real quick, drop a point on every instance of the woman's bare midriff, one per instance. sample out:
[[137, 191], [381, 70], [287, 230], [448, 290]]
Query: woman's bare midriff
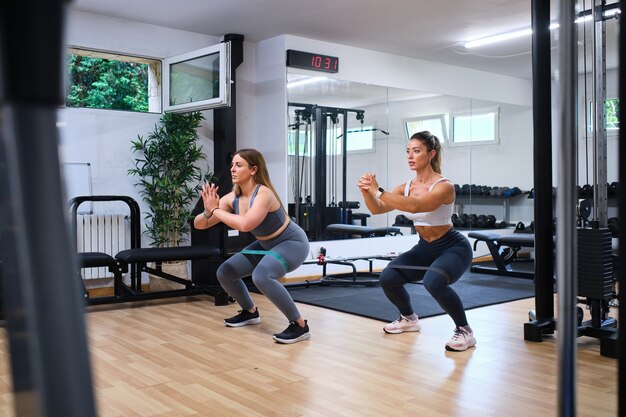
[[430, 233]]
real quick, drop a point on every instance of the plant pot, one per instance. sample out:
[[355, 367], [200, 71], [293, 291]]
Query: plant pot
[[176, 268]]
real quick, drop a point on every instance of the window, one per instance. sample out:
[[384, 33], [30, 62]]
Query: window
[[102, 80], [475, 127], [359, 140], [435, 124], [611, 108], [198, 80]]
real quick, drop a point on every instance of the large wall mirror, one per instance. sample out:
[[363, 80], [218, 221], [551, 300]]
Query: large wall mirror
[[486, 144]]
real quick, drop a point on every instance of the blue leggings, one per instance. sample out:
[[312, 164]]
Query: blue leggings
[[447, 258], [287, 252]]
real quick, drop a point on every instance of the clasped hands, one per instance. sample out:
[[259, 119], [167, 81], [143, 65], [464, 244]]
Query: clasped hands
[[210, 198], [368, 183]]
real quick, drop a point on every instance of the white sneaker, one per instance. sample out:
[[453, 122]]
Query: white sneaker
[[402, 325], [461, 340]]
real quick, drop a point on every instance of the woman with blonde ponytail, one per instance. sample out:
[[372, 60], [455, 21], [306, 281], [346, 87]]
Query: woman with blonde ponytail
[[442, 254]]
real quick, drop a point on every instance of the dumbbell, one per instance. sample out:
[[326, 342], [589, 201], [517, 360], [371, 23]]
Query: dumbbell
[[481, 221], [613, 224], [491, 221]]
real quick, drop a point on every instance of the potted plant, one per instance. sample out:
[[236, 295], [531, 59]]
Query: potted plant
[[170, 178]]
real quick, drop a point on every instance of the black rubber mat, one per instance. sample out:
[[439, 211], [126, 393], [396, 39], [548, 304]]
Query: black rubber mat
[[475, 290]]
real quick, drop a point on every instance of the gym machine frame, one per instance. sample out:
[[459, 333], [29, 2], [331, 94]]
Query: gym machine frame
[[320, 115]]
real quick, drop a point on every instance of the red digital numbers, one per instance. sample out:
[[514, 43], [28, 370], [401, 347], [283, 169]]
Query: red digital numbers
[[323, 62], [307, 60]]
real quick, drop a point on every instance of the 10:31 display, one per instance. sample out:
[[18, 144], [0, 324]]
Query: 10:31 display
[[311, 61]]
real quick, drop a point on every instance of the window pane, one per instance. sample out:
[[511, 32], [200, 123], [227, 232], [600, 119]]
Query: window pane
[[434, 125], [611, 107], [107, 84], [474, 128], [97, 80], [361, 140], [195, 80], [612, 113]]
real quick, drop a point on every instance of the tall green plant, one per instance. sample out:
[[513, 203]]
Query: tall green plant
[[169, 176]]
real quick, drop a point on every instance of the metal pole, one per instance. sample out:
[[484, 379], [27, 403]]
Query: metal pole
[[565, 204], [46, 329], [542, 168], [599, 124], [621, 268], [344, 167]]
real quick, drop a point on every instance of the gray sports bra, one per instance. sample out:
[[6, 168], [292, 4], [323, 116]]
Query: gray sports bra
[[270, 224]]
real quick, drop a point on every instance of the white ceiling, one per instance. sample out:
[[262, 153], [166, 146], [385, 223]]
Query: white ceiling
[[426, 29]]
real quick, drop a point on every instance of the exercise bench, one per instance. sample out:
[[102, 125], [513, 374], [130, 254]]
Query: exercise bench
[[137, 259], [503, 250], [362, 231]]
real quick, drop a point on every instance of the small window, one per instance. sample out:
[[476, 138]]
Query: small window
[[359, 140], [611, 108], [198, 80], [476, 127], [100, 80], [435, 124]]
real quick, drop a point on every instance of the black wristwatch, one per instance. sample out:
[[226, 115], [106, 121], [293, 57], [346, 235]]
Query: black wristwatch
[[381, 190]]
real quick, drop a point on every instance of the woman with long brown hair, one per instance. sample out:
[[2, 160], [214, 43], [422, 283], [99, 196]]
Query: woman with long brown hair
[[253, 206]]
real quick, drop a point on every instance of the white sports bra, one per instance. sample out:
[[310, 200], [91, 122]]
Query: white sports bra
[[441, 216]]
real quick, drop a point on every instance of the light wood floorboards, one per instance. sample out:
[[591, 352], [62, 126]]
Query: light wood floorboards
[[176, 358]]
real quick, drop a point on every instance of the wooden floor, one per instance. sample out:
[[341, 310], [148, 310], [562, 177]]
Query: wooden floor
[[176, 358]]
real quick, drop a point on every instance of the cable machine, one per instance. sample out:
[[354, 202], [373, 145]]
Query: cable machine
[[316, 165], [584, 253]]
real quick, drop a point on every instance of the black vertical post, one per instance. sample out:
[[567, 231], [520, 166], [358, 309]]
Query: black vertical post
[[320, 172], [224, 146], [225, 120], [542, 174], [621, 195], [344, 169], [44, 310]]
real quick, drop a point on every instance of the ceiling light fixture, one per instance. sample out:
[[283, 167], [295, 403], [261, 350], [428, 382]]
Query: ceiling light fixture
[[306, 81], [528, 31]]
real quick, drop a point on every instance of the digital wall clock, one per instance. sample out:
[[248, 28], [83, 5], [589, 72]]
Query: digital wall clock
[[311, 61]]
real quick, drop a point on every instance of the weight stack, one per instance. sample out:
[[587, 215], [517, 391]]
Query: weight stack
[[595, 264]]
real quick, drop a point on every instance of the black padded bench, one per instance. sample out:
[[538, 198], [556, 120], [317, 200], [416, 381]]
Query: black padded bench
[[503, 249], [143, 256], [99, 260], [362, 231], [136, 259]]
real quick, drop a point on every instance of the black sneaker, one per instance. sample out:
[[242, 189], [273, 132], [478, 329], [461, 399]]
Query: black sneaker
[[294, 333], [243, 319]]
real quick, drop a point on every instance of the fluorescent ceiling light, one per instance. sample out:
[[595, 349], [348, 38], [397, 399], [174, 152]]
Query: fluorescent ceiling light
[[498, 38], [527, 32], [305, 81]]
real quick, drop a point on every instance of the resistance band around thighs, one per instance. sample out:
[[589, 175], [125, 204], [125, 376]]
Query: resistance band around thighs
[[443, 272], [276, 255]]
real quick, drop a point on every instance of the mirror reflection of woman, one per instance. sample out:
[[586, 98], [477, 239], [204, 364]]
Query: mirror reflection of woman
[[281, 246], [444, 254]]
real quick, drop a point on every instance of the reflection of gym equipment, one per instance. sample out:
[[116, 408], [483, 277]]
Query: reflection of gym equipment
[[315, 169]]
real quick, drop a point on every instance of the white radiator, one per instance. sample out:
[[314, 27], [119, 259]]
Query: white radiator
[[106, 233]]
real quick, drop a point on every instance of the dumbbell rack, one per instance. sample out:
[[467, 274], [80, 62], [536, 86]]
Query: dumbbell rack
[[488, 200]]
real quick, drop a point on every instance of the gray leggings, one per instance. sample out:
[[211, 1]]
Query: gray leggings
[[288, 251]]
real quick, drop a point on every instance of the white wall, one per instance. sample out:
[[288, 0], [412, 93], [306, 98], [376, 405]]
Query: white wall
[[102, 137]]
